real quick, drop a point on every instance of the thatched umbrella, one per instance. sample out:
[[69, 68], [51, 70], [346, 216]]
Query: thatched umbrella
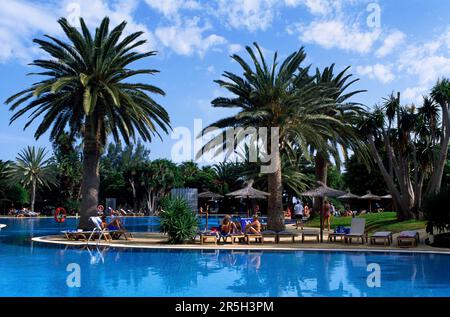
[[212, 196], [323, 191], [370, 197], [349, 196], [248, 192]]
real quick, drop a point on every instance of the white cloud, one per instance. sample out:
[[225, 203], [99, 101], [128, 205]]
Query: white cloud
[[235, 48], [391, 41], [425, 63], [170, 8], [188, 39], [414, 94], [252, 15], [320, 7], [337, 34], [93, 11], [19, 22], [381, 72]]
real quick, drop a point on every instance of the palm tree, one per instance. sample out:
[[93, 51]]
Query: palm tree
[[348, 113], [276, 96], [32, 169], [441, 94], [87, 89]]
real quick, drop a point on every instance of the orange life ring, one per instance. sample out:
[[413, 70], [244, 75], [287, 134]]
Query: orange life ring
[[60, 214]]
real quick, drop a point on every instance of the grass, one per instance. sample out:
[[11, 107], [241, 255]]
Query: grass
[[385, 221]]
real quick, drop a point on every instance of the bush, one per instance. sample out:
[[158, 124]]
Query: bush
[[178, 221], [436, 209]]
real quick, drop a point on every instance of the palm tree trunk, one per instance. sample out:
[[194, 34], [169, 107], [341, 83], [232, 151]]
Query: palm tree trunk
[[321, 171], [436, 178], [275, 219], [33, 194], [91, 176]]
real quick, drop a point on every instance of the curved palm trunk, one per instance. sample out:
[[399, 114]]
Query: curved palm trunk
[[91, 177], [275, 219]]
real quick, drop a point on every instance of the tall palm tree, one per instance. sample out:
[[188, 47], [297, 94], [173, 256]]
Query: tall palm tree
[[274, 96], [343, 110], [441, 94], [87, 89], [32, 169]]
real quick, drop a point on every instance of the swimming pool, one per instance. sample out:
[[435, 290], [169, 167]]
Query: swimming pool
[[34, 269]]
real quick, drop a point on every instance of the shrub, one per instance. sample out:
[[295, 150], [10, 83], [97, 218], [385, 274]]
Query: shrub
[[436, 209], [178, 220]]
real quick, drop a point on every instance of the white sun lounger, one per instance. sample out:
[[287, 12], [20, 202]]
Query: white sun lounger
[[357, 230]]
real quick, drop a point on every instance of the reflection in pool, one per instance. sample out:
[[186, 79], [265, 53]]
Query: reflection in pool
[[32, 269]]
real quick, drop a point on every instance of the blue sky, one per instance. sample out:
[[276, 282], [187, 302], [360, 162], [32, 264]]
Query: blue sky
[[407, 51]]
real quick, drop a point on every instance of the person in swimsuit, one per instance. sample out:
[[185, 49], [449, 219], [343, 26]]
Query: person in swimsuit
[[254, 227], [326, 214], [115, 224], [227, 226]]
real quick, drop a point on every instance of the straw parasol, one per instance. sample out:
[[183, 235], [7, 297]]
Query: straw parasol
[[248, 192], [349, 196], [211, 196], [370, 197], [320, 192]]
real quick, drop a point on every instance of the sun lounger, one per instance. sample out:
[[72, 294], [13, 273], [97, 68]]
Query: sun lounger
[[257, 236], [357, 231], [208, 236], [286, 234], [74, 235], [106, 233], [384, 236], [310, 233], [270, 234], [408, 238]]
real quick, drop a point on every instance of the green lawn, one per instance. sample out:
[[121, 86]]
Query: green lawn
[[385, 221]]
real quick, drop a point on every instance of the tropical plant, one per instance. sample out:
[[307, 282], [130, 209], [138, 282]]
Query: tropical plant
[[436, 211], [276, 97], [88, 89], [346, 139], [414, 144], [32, 169], [178, 220], [157, 178]]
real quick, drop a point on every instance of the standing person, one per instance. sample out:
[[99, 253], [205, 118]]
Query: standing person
[[327, 214], [298, 214], [256, 211]]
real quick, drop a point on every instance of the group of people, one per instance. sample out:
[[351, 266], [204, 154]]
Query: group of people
[[24, 212], [227, 226]]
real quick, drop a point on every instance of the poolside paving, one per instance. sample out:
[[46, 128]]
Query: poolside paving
[[159, 241]]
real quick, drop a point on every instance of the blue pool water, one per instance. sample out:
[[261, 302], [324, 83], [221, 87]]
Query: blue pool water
[[33, 269]]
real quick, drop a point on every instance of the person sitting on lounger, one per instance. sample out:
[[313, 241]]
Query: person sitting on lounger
[[115, 224], [227, 226], [254, 227]]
